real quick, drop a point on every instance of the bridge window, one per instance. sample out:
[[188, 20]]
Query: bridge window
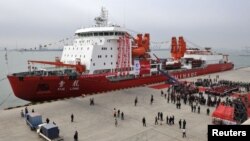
[[111, 33], [106, 33], [100, 33], [90, 34], [95, 33]]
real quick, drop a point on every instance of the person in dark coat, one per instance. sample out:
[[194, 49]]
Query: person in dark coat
[[180, 123], [184, 124], [156, 120], [208, 111], [26, 110], [76, 136], [122, 116], [152, 99], [47, 120], [136, 100], [118, 113], [199, 109], [144, 121], [72, 118]]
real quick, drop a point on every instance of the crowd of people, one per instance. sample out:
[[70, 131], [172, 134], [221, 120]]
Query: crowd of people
[[184, 93]]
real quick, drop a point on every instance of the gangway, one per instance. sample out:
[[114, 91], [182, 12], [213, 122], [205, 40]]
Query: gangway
[[171, 79]]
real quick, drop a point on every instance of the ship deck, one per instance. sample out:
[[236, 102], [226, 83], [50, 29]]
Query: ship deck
[[97, 122]]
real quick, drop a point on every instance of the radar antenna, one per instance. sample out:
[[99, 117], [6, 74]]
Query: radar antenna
[[102, 20]]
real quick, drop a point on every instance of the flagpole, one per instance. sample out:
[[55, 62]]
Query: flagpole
[[6, 60]]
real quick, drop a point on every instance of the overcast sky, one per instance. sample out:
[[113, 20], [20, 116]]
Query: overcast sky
[[215, 23]]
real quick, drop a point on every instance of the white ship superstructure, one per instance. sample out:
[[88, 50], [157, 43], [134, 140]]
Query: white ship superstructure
[[96, 47]]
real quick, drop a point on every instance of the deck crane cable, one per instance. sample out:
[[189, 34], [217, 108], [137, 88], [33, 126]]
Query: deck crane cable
[[192, 43], [162, 42], [62, 41], [133, 31], [5, 99]]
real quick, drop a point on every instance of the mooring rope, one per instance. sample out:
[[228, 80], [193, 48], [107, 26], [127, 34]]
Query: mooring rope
[[5, 99], [2, 79]]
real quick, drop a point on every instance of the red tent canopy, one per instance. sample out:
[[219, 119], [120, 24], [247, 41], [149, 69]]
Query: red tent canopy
[[224, 112]]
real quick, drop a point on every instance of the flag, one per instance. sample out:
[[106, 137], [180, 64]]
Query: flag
[[6, 57]]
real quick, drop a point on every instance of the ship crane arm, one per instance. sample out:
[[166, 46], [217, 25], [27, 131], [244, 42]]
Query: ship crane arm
[[158, 59], [80, 68]]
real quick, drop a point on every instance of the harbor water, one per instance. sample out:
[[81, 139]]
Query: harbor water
[[16, 61]]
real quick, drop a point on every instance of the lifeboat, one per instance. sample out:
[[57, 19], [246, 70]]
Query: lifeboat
[[142, 45]]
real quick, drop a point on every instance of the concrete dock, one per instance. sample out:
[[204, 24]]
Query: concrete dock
[[96, 123]]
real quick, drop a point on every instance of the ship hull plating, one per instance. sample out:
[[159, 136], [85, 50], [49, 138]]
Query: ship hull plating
[[42, 88]]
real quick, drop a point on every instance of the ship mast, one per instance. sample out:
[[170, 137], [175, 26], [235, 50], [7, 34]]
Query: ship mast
[[102, 20]]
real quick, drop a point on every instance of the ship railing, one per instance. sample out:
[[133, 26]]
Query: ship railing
[[98, 75]]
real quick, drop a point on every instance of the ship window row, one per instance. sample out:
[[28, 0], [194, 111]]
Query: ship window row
[[76, 48], [68, 55], [88, 34], [106, 56], [87, 41], [105, 48], [111, 63]]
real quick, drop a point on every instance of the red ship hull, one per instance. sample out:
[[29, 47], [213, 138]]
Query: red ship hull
[[42, 88]]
